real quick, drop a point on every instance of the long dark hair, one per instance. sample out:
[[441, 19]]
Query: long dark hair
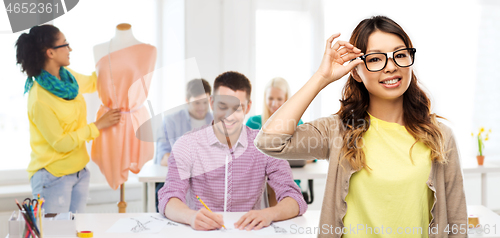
[[417, 116], [32, 47]]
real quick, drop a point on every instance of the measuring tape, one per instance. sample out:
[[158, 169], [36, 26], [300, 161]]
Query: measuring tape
[[85, 234]]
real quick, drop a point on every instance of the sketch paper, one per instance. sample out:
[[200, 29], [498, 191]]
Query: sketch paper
[[276, 228], [144, 224], [154, 223]]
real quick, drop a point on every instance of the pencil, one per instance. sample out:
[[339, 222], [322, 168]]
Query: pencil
[[31, 219], [25, 219], [207, 208], [29, 215], [40, 215]]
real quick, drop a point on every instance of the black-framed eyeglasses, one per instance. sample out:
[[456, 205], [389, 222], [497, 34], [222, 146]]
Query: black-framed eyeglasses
[[377, 61], [60, 46]]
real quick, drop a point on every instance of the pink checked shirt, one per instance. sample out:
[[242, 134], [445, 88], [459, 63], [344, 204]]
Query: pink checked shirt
[[197, 167]]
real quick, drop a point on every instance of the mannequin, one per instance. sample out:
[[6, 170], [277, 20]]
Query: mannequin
[[123, 38], [124, 66]]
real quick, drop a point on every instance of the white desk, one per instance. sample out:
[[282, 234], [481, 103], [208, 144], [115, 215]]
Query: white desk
[[483, 170], [487, 218], [152, 174], [99, 223]]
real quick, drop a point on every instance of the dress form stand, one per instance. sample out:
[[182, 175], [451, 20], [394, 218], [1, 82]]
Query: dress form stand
[[122, 205], [123, 38]]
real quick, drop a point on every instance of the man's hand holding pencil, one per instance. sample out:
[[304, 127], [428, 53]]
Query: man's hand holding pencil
[[205, 220]]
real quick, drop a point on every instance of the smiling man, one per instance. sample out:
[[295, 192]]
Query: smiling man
[[226, 177]]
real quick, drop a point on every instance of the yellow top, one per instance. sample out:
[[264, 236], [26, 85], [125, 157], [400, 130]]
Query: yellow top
[[59, 129], [392, 199]]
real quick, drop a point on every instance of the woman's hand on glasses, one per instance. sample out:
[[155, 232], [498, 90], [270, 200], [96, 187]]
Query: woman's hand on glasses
[[332, 66]]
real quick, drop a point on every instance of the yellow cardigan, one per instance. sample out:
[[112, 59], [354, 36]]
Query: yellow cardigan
[[59, 129]]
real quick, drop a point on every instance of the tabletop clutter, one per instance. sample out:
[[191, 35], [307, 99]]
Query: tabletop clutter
[[31, 221]]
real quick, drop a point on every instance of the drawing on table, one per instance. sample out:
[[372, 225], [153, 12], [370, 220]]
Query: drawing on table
[[158, 218], [171, 224], [142, 224], [278, 230], [140, 227]]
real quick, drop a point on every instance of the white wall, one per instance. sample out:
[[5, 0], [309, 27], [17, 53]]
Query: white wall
[[203, 36], [486, 109], [219, 35]]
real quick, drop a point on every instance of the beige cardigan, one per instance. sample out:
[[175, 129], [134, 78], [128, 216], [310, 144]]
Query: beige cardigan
[[322, 139]]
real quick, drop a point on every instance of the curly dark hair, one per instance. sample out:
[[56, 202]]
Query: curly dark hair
[[31, 48]]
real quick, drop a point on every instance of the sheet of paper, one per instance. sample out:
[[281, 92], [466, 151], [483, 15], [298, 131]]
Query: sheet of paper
[[229, 224], [144, 224], [276, 228]]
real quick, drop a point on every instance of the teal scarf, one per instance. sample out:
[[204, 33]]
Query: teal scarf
[[66, 88]]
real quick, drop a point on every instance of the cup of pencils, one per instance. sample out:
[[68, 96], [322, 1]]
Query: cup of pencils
[[32, 212]]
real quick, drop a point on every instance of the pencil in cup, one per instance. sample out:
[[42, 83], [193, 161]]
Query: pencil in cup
[[40, 215], [205, 205], [28, 228], [30, 231], [26, 219], [32, 219]]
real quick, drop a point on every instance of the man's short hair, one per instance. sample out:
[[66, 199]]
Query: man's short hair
[[194, 88], [235, 81]]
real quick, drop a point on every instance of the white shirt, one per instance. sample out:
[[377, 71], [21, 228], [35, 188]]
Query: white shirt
[[195, 123]]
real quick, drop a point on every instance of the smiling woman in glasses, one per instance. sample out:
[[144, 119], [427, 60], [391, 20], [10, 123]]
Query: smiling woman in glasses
[[58, 120], [394, 168]]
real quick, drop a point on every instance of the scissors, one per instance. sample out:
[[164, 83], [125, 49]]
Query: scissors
[[32, 203]]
